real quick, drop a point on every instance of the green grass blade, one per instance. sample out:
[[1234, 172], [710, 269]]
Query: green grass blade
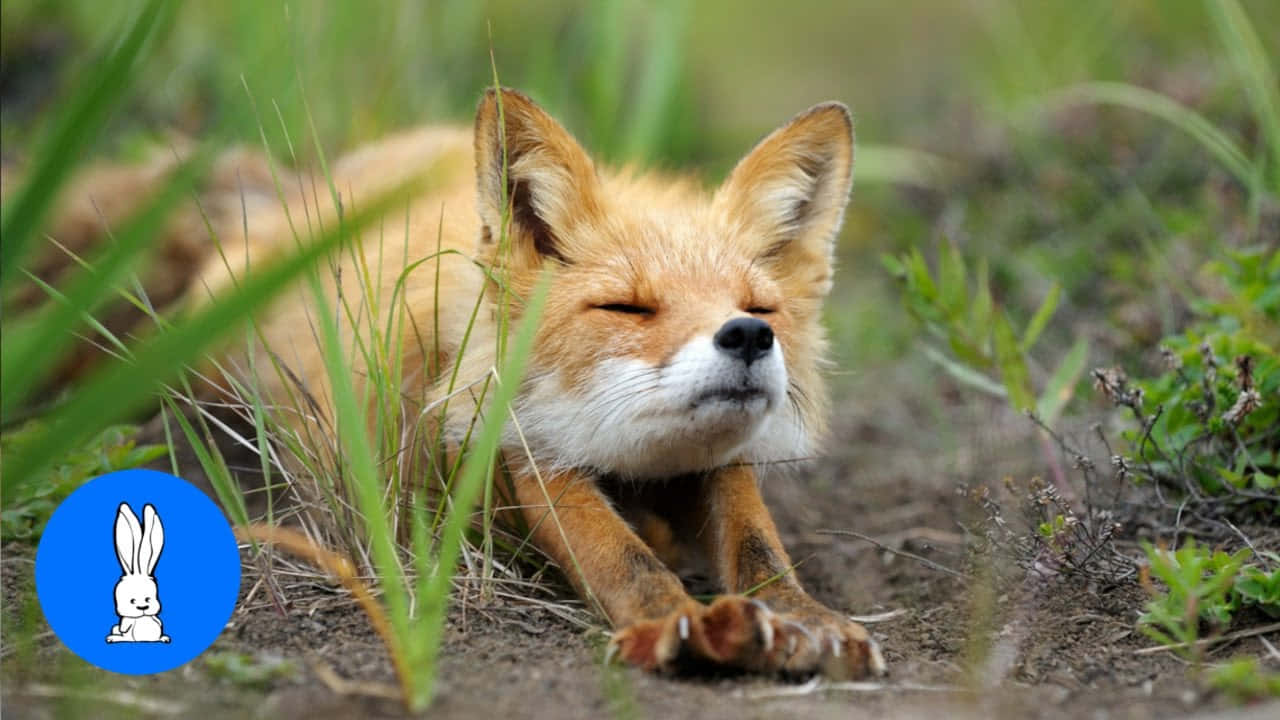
[[99, 91], [982, 306], [364, 476], [952, 281], [1041, 319], [1221, 147], [900, 166], [474, 475], [1256, 72], [659, 83], [1062, 384], [125, 387], [1013, 366], [606, 75], [965, 374], [214, 466]]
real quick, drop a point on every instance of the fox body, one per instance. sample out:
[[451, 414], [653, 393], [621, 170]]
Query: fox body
[[679, 348]]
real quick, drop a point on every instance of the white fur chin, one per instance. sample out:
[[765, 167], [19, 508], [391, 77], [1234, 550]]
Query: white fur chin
[[642, 422]]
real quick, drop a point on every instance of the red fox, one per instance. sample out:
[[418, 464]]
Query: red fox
[[680, 348]]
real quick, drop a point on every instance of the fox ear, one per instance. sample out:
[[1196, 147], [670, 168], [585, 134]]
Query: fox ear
[[549, 182], [791, 191]]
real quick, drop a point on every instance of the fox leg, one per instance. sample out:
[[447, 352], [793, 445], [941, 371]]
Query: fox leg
[[656, 622], [573, 522], [779, 627], [748, 556]]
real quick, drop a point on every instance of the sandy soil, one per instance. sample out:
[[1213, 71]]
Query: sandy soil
[[1056, 649]]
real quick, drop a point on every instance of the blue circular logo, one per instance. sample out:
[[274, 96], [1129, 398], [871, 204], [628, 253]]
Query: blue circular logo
[[137, 572]]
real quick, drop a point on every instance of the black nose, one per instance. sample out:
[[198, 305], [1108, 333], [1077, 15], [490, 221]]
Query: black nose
[[745, 338]]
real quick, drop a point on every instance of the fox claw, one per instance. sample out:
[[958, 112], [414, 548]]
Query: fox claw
[[744, 633]]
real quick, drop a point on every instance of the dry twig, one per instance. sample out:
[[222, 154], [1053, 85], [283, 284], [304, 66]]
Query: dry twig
[[1260, 630], [922, 560]]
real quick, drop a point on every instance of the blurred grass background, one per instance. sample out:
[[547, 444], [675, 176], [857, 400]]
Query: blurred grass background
[[1090, 197], [962, 136]]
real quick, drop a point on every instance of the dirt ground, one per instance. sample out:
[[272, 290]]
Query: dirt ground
[[1053, 650]]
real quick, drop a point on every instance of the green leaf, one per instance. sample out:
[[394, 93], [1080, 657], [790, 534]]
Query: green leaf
[[1013, 367], [965, 374], [951, 281], [1040, 319], [895, 266], [919, 277], [1062, 384], [968, 353], [113, 448], [982, 306]]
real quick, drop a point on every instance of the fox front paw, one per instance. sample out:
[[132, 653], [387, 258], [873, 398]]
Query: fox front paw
[[743, 633], [813, 639]]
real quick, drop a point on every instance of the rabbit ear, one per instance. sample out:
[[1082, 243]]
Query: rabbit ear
[[152, 540], [128, 536]]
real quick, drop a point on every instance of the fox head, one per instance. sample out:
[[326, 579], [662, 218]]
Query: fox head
[[682, 330]]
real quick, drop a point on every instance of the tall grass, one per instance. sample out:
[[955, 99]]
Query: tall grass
[[1255, 74], [35, 341], [365, 474], [98, 93]]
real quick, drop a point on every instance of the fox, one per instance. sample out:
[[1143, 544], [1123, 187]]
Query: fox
[[680, 350]]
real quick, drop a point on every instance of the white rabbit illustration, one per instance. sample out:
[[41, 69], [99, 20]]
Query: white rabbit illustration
[[137, 599]]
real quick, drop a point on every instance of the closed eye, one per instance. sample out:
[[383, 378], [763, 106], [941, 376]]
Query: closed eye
[[625, 308], [760, 310]]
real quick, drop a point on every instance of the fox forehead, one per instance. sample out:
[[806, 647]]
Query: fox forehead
[[663, 261], [661, 238]]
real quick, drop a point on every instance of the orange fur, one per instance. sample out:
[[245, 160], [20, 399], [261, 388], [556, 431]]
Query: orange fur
[[637, 446]]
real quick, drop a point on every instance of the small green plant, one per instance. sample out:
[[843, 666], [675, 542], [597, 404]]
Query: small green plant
[[1032, 526], [1208, 425], [1198, 583], [1243, 680], [115, 448], [983, 348], [246, 670], [1261, 588], [1203, 588]]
